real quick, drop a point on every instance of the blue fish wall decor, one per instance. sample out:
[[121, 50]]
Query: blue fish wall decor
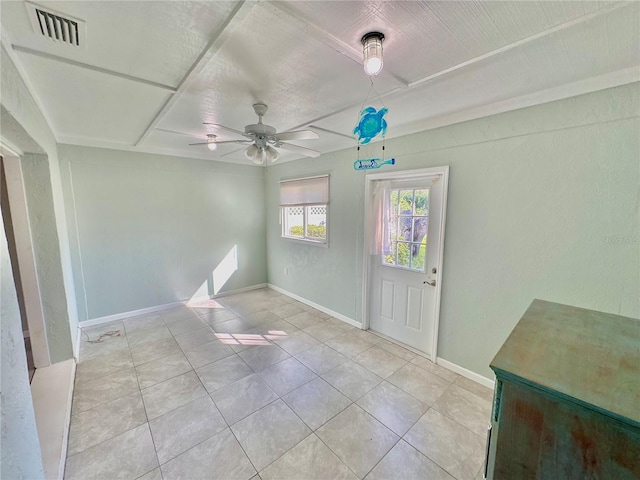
[[371, 124]]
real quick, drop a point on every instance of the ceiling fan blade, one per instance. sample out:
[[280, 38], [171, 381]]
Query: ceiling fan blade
[[240, 142], [298, 135], [295, 148], [228, 129]]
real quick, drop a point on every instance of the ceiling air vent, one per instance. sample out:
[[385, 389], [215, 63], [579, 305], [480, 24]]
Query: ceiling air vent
[[56, 26]]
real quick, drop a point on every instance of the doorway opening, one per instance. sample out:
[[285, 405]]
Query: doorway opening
[[402, 268], [12, 247], [16, 223]]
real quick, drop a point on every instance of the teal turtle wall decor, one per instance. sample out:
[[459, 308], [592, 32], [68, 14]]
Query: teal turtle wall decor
[[371, 124]]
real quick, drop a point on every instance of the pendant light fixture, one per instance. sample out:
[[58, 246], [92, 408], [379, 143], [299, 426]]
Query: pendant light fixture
[[372, 52]]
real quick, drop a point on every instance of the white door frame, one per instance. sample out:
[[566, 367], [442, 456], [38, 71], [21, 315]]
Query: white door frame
[[366, 267], [25, 256]]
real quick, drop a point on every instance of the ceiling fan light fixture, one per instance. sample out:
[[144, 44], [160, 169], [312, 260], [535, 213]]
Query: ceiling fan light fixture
[[253, 153], [372, 52], [211, 142], [272, 154]]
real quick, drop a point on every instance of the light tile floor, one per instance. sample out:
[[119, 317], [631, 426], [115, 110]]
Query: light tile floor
[[260, 384]]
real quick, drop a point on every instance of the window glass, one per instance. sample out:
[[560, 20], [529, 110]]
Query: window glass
[[408, 224], [306, 220]]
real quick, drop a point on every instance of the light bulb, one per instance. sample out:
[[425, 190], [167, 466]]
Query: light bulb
[[373, 66], [372, 52], [272, 154], [211, 142], [251, 152]]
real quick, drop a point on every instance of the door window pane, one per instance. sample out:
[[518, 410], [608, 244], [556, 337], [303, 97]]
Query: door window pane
[[408, 224], [403, 254], [417, 258], [422, 202]]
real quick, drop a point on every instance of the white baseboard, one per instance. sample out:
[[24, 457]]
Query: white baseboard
[[67, 423], [167, 306], [466, 373], [443, 363], [203, 298], [241, 290], [400, 344], [119, 316], [440, 361], [337, 315], [76, 346]]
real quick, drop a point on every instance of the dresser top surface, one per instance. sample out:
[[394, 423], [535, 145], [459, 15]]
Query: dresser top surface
[[587, 355]]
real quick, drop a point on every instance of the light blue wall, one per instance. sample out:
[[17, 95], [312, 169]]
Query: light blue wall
[[327, 276], [150, 229], [543, 203]]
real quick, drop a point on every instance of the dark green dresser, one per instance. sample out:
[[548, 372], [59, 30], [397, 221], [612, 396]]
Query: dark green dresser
[[567, 397]]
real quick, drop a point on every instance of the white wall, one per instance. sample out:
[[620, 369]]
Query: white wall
[[24, 127], [21, 456], [543, 203]]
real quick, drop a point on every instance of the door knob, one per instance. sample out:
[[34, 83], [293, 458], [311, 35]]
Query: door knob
[[431, 283]]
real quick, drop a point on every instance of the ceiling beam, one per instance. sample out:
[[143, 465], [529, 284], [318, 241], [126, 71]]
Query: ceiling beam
[[332, 132], [236, 17], [165, 130], [388, 94], [6, 46], [86, 66]]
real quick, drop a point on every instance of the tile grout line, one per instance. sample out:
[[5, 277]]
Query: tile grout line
[[144, 406], [431, 407], [238, 440], [116, 399], [313, 431], [140, 389]]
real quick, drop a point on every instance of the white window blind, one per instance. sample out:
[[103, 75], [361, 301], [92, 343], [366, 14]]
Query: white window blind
[[305, 191]]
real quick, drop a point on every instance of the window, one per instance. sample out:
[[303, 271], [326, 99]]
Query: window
[[303, 205], [408, 224]]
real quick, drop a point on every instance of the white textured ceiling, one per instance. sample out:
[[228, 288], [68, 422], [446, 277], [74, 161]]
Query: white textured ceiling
[[152, 72]]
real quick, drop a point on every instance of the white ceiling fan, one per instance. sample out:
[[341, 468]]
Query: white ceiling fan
[[262, 139]]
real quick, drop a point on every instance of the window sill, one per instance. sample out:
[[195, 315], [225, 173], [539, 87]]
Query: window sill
[[306, 241]]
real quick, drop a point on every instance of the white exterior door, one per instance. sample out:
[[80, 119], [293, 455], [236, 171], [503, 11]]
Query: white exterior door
[[404, 284]]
